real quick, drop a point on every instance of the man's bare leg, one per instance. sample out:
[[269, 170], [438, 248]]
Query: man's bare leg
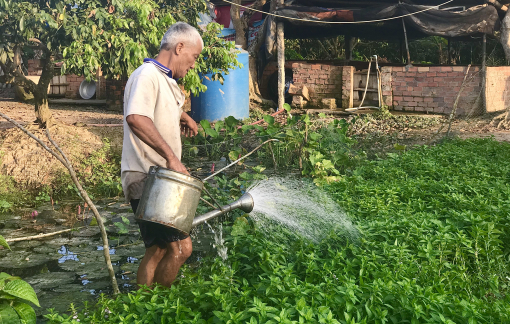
[[150, 261], [176, 254]]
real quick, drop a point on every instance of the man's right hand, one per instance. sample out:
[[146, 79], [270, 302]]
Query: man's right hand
[[176, 165]]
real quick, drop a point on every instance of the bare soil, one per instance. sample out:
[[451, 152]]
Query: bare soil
[[26, 161]]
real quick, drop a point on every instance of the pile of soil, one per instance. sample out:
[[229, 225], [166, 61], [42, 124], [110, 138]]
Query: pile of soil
[[28, 163]]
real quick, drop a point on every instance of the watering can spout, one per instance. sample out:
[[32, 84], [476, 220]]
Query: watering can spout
[[245, 203]]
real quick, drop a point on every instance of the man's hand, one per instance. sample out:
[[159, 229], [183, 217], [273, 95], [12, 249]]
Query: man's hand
[[176, 165], [188, 126]]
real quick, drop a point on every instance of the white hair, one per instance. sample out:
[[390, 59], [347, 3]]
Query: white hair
[[180, 32]]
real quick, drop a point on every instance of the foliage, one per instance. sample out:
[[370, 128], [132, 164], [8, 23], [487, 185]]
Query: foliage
[[429, 50], [322, 150], [433, 249], [113, 36], [14, 295]]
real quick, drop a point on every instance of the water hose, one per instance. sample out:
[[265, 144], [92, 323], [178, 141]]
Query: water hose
[[241, 158], [366, 87]]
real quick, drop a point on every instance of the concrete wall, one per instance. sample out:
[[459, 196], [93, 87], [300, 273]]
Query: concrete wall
[[497, 88]]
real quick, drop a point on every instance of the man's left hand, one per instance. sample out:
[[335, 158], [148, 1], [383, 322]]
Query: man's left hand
[[188, 126]]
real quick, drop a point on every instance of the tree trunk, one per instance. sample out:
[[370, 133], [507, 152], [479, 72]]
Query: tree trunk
[[242, 28], [240, 25], [42, 110], [502, 120]]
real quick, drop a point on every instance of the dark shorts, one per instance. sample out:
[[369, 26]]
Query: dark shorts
[[157, 234]]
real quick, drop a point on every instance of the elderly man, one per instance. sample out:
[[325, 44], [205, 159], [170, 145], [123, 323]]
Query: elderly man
[[153, 124]]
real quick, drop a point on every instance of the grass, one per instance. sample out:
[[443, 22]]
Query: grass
[[434, 248]]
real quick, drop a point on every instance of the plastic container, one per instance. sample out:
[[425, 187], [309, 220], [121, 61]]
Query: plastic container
[[228, 99]]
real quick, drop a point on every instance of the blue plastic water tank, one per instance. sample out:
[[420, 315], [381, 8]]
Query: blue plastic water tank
[[228, 99]]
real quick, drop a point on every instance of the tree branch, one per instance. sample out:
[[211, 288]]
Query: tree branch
[[256, 5], [19, 78], [63, 159]]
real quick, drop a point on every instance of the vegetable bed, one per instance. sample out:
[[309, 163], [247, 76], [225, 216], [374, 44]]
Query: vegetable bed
[[433, 248]]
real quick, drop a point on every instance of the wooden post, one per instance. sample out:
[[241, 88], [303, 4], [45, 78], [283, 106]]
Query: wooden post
[[280, 43], [349, 44], [449, 61], [401, 47], [407, 43], [484, 73]]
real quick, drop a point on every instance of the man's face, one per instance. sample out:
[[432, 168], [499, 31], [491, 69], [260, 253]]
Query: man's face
[[187, 54]]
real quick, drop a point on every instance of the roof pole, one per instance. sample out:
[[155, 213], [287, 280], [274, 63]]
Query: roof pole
[[280, 43], [407, 43], [349, 44], [484, 72]]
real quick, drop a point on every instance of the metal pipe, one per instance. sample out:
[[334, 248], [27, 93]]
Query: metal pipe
[[245, 203], [241, 158]]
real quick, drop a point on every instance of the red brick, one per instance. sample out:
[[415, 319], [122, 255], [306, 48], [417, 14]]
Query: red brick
[[316, 66], [326, 67], [428, 99], [418, 99], [446, 68], [408, 98], [323, 76], [412, 104], [431, 74]]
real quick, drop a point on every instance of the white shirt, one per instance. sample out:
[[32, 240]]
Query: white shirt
[[149, 92]]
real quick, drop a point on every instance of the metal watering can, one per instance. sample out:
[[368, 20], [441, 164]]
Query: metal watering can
[[171, 198]]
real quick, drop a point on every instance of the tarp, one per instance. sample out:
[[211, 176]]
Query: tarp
[[473, 22]]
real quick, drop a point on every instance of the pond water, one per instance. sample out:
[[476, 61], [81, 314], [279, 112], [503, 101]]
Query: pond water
[[70, 267]]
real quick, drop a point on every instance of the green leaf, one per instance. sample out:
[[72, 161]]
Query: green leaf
[[287, 107], [211, 132], [4, 243], [269, 119], [21, 289], [25, 312], [219, 126], [22, 23], [205, 124], [231, 121], [8, 315]]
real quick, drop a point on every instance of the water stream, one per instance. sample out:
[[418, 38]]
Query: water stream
[[299, 206]]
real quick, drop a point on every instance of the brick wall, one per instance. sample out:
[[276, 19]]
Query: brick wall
[[73, 86], [115, 93], [497, 88], [270, 68], [34, 67], [322, 80], [434, 89]]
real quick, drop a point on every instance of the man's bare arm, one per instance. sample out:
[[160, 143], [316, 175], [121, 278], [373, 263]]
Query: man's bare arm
[[188, 126], [144, 129]]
